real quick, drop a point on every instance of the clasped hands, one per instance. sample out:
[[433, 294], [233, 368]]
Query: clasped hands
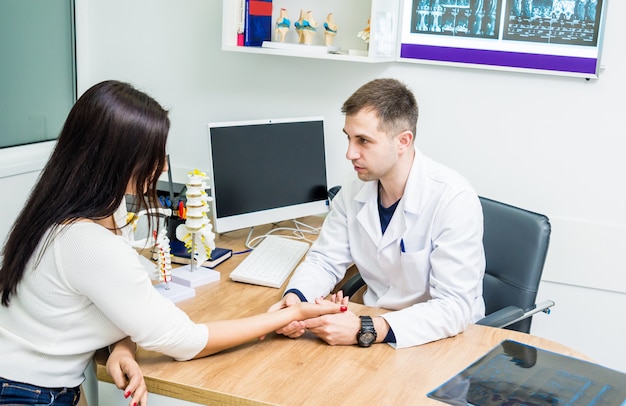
[[335, 329]]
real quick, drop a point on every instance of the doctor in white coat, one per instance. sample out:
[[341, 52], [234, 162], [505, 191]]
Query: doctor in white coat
[[412, 227]]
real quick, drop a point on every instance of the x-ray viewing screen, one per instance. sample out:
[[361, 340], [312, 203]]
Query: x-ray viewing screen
[[542, 36]]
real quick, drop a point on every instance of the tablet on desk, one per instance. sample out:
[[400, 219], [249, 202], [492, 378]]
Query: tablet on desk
[[513, 373]]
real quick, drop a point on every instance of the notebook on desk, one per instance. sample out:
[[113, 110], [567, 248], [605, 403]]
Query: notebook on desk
[[513, 373], [180, 255]]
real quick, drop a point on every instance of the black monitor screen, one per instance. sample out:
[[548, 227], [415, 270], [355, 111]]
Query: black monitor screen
[[267, 171]]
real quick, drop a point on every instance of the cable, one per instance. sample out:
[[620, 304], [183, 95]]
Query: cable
[[298, 231]]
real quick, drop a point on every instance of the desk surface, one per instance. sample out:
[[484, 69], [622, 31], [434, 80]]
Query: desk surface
[[283, 371]]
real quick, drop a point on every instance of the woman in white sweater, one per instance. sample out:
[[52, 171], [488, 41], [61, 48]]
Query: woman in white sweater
[[71, 284]]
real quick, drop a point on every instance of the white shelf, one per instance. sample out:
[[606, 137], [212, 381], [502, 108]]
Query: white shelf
[[283, 52], [351, 16]]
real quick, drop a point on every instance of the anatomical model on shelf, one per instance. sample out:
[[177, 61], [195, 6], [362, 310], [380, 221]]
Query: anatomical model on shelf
[[306, 27], [282, 25], [330, 30], [365, 33]]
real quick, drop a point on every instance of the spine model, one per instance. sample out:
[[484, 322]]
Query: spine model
[[197, 231]]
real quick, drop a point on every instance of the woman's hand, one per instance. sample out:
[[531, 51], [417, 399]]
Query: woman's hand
[[320, 307], [126, 373]]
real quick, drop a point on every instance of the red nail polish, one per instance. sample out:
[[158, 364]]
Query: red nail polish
[[344, 308], [127, 394], [134, 403]]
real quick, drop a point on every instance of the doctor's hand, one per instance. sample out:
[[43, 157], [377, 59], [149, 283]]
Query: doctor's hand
[[294, 329], [339, 298], [335, 329], [126, 373]]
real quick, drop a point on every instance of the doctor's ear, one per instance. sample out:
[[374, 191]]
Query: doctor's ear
[[405, 138]]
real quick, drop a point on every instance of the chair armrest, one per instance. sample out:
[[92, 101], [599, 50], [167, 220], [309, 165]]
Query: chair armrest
[[352, 285], [502, 317], [511, 314]]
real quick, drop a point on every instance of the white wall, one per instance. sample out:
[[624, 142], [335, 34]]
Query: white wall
[[547, 143], [19, 169]]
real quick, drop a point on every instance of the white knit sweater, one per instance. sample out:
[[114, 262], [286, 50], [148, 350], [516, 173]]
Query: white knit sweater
[[89, 290]]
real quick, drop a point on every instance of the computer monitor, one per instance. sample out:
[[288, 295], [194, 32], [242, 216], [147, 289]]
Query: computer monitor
[[266, 171]]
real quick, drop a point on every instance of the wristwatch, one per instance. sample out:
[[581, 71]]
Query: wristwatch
[[367, 334]]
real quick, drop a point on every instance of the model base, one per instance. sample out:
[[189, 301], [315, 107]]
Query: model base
[[199, 276], [174, 291]]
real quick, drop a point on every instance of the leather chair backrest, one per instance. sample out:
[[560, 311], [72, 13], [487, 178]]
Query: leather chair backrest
[[516, 244]]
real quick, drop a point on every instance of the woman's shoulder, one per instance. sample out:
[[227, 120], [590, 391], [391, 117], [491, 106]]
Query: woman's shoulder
[[85, 233], [83, 241], [82, 227]]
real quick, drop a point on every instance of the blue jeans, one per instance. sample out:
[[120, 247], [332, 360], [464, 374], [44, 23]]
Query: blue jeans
[[17, 393]]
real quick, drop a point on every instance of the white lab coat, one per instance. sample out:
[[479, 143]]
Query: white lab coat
[[429, 264]]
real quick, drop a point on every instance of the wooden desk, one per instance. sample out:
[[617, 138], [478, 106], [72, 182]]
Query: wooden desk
[[305, 371]]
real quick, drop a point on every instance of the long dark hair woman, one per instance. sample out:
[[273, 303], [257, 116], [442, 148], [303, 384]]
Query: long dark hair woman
[[70, 281]]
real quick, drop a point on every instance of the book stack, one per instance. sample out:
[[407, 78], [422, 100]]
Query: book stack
[[257, 22]]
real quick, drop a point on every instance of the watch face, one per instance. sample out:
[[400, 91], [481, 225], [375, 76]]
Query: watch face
[[367, 335], [366, 338]]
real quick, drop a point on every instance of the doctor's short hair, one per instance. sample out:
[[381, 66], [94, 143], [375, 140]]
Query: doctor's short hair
[[393, 102]]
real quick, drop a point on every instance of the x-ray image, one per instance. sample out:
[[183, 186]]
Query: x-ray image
[[469, 18], [571, 22]]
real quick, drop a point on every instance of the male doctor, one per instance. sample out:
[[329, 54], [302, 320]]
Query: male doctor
[[412, 227]]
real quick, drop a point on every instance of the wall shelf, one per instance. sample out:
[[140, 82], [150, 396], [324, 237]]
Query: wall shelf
[[351, 16], [444, 34]]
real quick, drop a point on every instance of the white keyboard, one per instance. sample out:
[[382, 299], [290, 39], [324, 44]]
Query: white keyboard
[[271, 262]]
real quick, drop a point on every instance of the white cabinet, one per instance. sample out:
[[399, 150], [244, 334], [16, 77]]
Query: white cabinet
[[350, 16]]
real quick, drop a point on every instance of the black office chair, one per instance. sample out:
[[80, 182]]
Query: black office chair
[[516, 244]]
